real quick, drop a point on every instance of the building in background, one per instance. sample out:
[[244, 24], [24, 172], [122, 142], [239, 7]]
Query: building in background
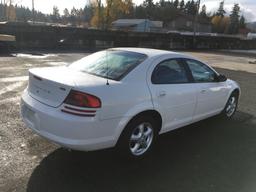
[[251, 26], [186, 23], [251, 36], [137, 25]]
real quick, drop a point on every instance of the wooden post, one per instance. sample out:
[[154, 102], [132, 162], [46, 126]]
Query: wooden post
[[195, 23], [33, 11]]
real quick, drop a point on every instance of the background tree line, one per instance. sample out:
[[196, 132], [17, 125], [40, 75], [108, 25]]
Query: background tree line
[[99, 15]]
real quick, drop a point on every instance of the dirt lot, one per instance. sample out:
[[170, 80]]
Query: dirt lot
[[212, 155]]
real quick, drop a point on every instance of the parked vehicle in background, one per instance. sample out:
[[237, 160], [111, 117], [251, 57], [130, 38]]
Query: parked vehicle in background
[[124, 98], [251, 36], [6, 41]]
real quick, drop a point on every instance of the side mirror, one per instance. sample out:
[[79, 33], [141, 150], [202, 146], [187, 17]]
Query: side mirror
[[221, 78]]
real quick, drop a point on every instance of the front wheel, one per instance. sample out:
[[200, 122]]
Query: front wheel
[[138, 137], [231, 106]]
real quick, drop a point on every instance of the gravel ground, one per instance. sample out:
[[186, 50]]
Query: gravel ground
[[211, 155]]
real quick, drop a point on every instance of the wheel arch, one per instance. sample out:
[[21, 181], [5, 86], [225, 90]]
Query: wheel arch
[[150, 113], [233, 88], [236, 91]]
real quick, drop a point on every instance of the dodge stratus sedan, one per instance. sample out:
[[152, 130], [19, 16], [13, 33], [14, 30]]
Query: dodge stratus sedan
[[124, 98]]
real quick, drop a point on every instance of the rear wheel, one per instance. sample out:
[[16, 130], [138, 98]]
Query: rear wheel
[[231, 106], [138, 137]]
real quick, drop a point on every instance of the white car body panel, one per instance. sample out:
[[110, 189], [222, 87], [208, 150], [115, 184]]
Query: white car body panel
[[180, 105], [209, 99], [176, 106], [175, 102], [68, 130]]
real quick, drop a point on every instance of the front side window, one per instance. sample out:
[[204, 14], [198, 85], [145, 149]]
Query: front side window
[[169, 72], [112, 64], [201, 72]]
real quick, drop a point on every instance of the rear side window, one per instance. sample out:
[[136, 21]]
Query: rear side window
[[201, 72], [169, 72], [112, 64]]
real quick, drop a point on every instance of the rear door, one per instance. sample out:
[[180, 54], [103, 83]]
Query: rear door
[[210, 92], [172, 93]]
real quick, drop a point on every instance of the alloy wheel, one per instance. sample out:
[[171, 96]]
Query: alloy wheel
[[231, 106], [141, 139]]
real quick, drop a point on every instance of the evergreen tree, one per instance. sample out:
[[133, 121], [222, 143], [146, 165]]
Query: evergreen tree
[[191, 7], [176, 3], [221, 12], [182, 5], [148, 3], [149, 8], [55, 14], [73, 14], [79, 16], [140, 12], [88, 12], [242, 24], [101, 15], [162, 3], [234, 19], [187, 7], [203, 12], [66, 13]]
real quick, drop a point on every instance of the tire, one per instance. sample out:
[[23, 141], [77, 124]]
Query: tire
[[230, 107], [138, 138]]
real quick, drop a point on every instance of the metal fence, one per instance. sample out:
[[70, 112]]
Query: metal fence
[[54, 37]]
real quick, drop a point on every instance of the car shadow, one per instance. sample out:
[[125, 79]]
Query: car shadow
[[211, 155]]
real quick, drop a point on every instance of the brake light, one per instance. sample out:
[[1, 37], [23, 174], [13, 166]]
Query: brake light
[[80, 99]]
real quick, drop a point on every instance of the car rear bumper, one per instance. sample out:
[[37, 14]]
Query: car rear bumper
[[70, 131]]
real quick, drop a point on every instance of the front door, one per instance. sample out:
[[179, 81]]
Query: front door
[[210, 92]]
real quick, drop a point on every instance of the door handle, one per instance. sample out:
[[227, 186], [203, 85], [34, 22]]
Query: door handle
[[162, 94]]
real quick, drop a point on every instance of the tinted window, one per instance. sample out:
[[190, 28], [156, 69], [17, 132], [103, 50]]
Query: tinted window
[[201, 72], [113, 64], [169, 72]]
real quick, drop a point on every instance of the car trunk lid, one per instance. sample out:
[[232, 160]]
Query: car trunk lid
[[50, 86]]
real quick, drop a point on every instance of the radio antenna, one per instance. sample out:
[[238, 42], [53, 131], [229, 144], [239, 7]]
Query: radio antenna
[[107, 67]]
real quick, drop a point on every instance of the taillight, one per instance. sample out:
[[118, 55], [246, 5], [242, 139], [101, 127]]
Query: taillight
[[80, 99]]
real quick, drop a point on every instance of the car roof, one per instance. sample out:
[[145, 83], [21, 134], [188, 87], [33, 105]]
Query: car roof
[[150, 52]]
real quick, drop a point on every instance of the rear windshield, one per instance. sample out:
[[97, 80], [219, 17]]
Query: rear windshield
[[112, 64]]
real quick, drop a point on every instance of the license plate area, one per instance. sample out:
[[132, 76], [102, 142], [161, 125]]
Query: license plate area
[[29, 115]]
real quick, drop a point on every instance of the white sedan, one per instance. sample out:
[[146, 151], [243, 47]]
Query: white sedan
[[124, 97]]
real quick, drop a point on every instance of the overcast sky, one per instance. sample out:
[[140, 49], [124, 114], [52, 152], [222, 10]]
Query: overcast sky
[[248, 7]]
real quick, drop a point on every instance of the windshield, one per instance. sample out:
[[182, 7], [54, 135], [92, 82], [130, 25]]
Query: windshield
[[112, 64]]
